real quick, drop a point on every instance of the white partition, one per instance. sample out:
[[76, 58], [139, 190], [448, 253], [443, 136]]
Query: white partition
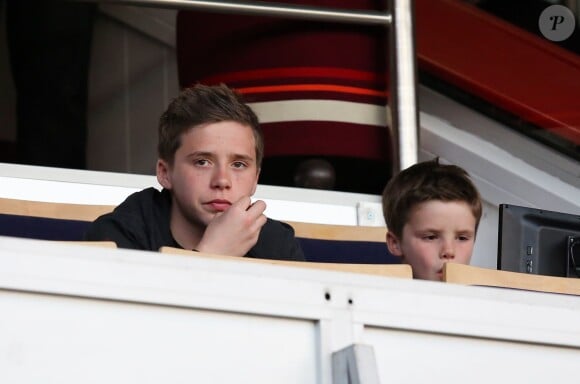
[[59, 339], [74, 313], [447, 359]]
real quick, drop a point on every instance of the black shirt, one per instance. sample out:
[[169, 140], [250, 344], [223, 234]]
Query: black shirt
[[142, 221]]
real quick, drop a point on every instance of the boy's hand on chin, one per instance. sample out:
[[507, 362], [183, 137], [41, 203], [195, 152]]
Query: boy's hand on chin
[[235, 231]]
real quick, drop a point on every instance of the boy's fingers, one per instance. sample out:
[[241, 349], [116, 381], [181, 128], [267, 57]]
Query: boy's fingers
[[257, 208], [242, 203], [262, 220]]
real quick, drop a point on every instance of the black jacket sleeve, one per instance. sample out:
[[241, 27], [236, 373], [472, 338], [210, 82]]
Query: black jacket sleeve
[[111, 227], [277, 242]]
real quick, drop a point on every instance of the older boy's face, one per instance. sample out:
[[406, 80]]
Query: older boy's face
[[214, 167], [436, 232]]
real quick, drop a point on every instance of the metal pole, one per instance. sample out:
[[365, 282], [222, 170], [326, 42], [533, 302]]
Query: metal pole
[[265, 9], [403, 107]]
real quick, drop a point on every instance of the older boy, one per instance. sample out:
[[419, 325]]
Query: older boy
[[210, 151], [432, 213]]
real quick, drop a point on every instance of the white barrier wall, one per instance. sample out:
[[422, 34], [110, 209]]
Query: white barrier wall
[[109, 188], [73, 314]]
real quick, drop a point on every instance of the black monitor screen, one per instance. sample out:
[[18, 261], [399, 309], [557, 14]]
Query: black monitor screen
[[537, 241]]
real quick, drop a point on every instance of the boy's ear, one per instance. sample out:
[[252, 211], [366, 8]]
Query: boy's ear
[[162, 171], [394, 244]]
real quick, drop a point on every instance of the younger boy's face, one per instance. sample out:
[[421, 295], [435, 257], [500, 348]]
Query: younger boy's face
[[436, 232]]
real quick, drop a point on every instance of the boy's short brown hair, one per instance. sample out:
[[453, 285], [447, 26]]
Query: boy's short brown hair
[[203, 104], [423, 182]]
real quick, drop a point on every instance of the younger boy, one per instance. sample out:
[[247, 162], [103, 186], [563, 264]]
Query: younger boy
[[432, 213]]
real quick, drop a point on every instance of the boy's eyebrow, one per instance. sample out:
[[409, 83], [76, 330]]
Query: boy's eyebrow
[[242, 157], [237, 156], [428, 230], [462, 231], [201, 153]]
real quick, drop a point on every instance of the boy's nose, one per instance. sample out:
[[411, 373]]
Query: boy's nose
[[448, 251], [221, 178]]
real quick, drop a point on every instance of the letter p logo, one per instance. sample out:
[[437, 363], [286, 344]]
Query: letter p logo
[[557, 23], [556, 20]]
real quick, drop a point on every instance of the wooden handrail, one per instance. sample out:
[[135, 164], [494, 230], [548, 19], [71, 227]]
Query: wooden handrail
[[469, 275], [84, 212], [386, 270]]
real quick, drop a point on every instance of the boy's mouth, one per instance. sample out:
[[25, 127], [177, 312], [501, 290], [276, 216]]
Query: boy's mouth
[[219, 205]]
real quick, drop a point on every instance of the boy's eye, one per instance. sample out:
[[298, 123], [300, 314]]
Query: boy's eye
[[202, 162], [429, 237], [239, 164], [464, 238]]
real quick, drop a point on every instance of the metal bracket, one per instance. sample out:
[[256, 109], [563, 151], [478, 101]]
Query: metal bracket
[[355, 364]]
